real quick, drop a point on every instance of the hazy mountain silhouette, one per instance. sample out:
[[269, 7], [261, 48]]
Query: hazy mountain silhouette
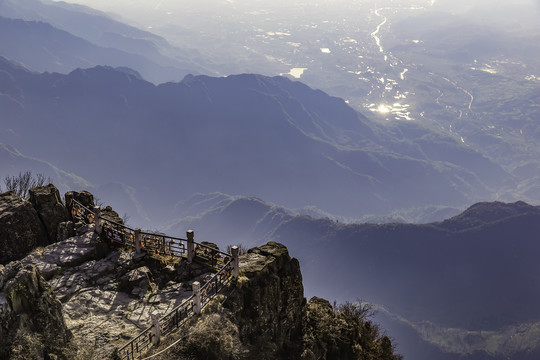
[[468, 284], [45, 48], [13, 162], [243, 134], [57, 36], [81, 21]]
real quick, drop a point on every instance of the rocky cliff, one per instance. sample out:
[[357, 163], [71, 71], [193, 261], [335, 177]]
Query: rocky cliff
[[267, 317], [82, 297], [32, 324], [20, 228], [269, 303], [48, 204], [26, 224]]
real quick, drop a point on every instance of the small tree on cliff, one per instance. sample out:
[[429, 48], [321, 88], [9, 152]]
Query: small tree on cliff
[[23, 182]]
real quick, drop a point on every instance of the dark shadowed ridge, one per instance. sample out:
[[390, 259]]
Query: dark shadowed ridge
[[488, 212], [468, 271]]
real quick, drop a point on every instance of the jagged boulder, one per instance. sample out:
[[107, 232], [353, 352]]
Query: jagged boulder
[[84, 197], [136, 281], [48, 204], [32, 324], [109, 214], [21, 230], [65, 230], [270, 303], [87, 199]]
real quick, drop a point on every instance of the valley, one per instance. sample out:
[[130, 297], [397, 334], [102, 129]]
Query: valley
[[474, 78], [377, 140]]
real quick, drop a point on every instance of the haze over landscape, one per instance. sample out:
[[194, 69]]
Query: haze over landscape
[[392, 145]]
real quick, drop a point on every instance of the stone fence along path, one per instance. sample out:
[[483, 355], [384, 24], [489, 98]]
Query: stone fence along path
[[166, 249]]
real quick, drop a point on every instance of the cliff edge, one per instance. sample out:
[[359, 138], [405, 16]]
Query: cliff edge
[[267, 317], [82, 297]]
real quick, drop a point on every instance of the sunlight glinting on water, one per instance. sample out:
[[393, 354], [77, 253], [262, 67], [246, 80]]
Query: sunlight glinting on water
[[398, 110]]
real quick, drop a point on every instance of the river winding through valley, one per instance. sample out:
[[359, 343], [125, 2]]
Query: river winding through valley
[[388, 96]]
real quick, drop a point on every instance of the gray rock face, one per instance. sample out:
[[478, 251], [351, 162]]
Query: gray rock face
[[20, 228], [270, 304], [107, 296], [29, 311], [65, 230], [47, 202], [136, 279], [84, 197], [108, 213]]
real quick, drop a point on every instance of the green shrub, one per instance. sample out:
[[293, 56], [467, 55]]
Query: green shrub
[[213, 337], [343, 332]]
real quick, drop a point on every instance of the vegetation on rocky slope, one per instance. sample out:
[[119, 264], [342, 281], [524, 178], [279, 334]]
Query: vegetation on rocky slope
[[343, 332], [267, 317]]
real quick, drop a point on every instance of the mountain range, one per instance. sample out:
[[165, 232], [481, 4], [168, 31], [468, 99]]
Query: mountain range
[[99, 105], [244, 134], [57, 36]]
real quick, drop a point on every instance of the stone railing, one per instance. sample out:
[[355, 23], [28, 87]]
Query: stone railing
[[226, 267]]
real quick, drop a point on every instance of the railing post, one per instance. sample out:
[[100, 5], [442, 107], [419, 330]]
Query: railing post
[[190, 245], [197, 297], [236, 262], [157, 330], [137, 240], [97, 220]]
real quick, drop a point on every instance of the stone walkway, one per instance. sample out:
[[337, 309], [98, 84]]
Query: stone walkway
[[108, 296]]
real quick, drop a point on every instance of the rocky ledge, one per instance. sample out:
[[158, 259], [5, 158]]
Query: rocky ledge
[[101, 295], [267, 317], [81, 298], [26, 224], [20, 228], [269, 305]]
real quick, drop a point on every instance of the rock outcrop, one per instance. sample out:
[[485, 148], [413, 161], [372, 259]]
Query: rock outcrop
[[48, 204], [266, 317], [270, 303], [32, 324], [84, 197], [262, 318], [83, 297], [21, 230], [107, 294], [108, 213], [25, 225], [343, 332]]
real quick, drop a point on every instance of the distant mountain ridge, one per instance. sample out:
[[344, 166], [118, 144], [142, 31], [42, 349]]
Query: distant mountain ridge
[[467, 286], [243, 134], [45, 48], [484, 213], [57, 36]]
